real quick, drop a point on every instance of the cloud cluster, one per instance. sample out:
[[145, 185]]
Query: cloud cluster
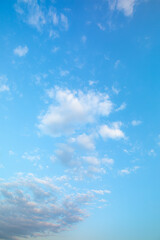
[[37, 15], [33, 207], [71, 110]]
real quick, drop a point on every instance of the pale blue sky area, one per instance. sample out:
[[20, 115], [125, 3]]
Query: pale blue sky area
[[79, 119]]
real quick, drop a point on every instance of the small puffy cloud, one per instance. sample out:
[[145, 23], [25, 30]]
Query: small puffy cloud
[[126, 6], [136, 122], [113, 132], [21, 51], [72, 109]]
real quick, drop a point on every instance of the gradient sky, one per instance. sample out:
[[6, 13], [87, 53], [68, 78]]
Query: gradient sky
[[79, 119]]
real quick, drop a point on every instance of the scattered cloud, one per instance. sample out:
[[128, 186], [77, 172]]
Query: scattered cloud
[[21, 51], [3, 84], [113, 132], [122, 107], [31, 13], [125, 6], [136, 122], [127, 171], [152, 153], [31, 157], [101, 192], [35, 14], [64, 22]]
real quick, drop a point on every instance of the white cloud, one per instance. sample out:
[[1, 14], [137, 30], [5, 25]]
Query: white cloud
[[91, 160], [55, 19], [127, 171], [66, 155], [101, 192], [37, 15], [55, 49], [32, 206], [31, 157], [31, 12], [3, 84], [125, 6], [117, 63], [122, 107], [113, 132], [21, 51], [101, 27], [64, 73], [115, 90], [71, 110], [64, 21], [136, 122], [85, 141], [4, 88], [107, 161]]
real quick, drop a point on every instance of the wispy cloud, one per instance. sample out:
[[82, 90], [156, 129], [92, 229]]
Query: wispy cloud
[[121, 107], [127, 171], [64, 22], [125, 6], [136, 122], [3, 84]]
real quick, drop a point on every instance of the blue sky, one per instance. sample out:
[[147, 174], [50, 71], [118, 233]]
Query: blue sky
[[79, 119]]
